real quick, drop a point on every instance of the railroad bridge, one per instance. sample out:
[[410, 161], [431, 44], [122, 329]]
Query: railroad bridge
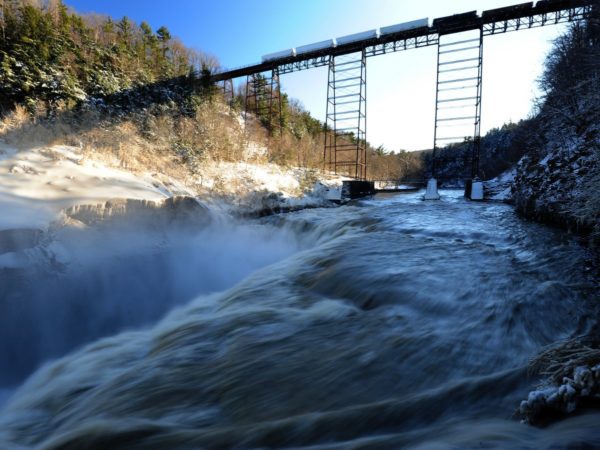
[[459, 40]]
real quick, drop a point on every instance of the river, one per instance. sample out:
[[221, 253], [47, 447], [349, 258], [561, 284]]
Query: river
[[386, 323]]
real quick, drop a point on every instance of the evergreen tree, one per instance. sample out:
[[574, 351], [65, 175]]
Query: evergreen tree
[[51, 57]]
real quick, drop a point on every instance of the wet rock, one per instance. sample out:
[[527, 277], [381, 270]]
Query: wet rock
[[557, 188], [178, 210], [549, 403]]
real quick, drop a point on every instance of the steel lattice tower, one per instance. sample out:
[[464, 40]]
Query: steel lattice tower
[[458, 98], [263, 98], [346, 115]]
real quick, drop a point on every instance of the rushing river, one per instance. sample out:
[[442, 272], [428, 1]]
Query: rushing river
[[388, 323]]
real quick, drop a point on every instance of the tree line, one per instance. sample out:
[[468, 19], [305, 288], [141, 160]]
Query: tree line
[[52, 58], [55, 61]]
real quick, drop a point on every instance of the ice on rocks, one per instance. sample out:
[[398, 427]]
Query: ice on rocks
[[564, 399]]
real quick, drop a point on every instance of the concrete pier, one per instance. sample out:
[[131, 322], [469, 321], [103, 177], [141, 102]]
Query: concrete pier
[[432, 190]]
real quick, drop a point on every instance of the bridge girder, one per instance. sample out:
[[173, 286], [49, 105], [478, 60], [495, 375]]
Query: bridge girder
[[263, 98], [554, 13], [458, 95]]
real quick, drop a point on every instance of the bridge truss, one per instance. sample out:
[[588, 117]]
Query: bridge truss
[[263, 98], [458, 96], [228, 91], [346, 115], [491, 22]]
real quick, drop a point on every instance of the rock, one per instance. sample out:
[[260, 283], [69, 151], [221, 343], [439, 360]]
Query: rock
[[548, 403], [178, 210]]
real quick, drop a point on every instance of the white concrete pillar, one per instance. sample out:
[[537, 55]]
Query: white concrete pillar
[[432, 191], [477, 190]]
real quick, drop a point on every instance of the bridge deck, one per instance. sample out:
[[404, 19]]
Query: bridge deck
[[494, 21]]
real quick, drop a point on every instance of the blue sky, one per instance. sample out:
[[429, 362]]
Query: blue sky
[[401, 86]]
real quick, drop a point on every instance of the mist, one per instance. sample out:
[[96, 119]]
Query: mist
[[83, 284]]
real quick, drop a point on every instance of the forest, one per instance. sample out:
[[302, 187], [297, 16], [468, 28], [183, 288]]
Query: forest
[[59, 66]]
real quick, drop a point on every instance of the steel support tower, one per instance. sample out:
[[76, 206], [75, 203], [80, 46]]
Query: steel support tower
[[263, 98], [458, 99], [228, 92], [345, 149]]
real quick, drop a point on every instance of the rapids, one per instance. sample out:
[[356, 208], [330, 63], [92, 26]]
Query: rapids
[[386, 323]]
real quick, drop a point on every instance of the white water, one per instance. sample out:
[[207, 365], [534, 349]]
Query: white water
[[390, 323]]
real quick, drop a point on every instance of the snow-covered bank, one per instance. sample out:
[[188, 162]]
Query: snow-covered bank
[[572, 381], [46, 189], [38, 185], [249, 189], [557, 185]]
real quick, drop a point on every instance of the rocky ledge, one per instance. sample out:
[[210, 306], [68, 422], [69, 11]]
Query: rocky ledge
[[561, 187]]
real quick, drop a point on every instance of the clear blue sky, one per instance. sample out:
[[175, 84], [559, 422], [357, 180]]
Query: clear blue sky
[[401, 86]]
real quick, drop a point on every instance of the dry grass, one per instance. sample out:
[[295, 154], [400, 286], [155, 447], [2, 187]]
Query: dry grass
[[174, 146], [19, 117], [177, 146], [560, 360]]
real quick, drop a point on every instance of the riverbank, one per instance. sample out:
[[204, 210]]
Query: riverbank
[[40, 185], [561, 187]]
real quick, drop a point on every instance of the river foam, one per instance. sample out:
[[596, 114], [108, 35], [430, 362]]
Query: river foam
[[391, 324]]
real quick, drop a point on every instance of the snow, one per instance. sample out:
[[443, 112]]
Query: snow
[[37, 183], [564, 398], [500, 188], [544, 162], [507, 176], [50, 194], [502, 195]]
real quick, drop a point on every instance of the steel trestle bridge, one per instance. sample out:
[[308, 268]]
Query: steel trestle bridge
[[459, 40]]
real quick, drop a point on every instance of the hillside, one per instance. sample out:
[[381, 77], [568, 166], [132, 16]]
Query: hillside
[[103, 83], [558, 179], [501, 149]]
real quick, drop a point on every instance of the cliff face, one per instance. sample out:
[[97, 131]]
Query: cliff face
[[558, 179], [561, 185]]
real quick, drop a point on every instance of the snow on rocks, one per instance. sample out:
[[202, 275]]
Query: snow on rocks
[[548, 402], [260, 189], [556, 186], [38, 183], [45, 189], [500, 188], [176, 210], [50, 194]]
